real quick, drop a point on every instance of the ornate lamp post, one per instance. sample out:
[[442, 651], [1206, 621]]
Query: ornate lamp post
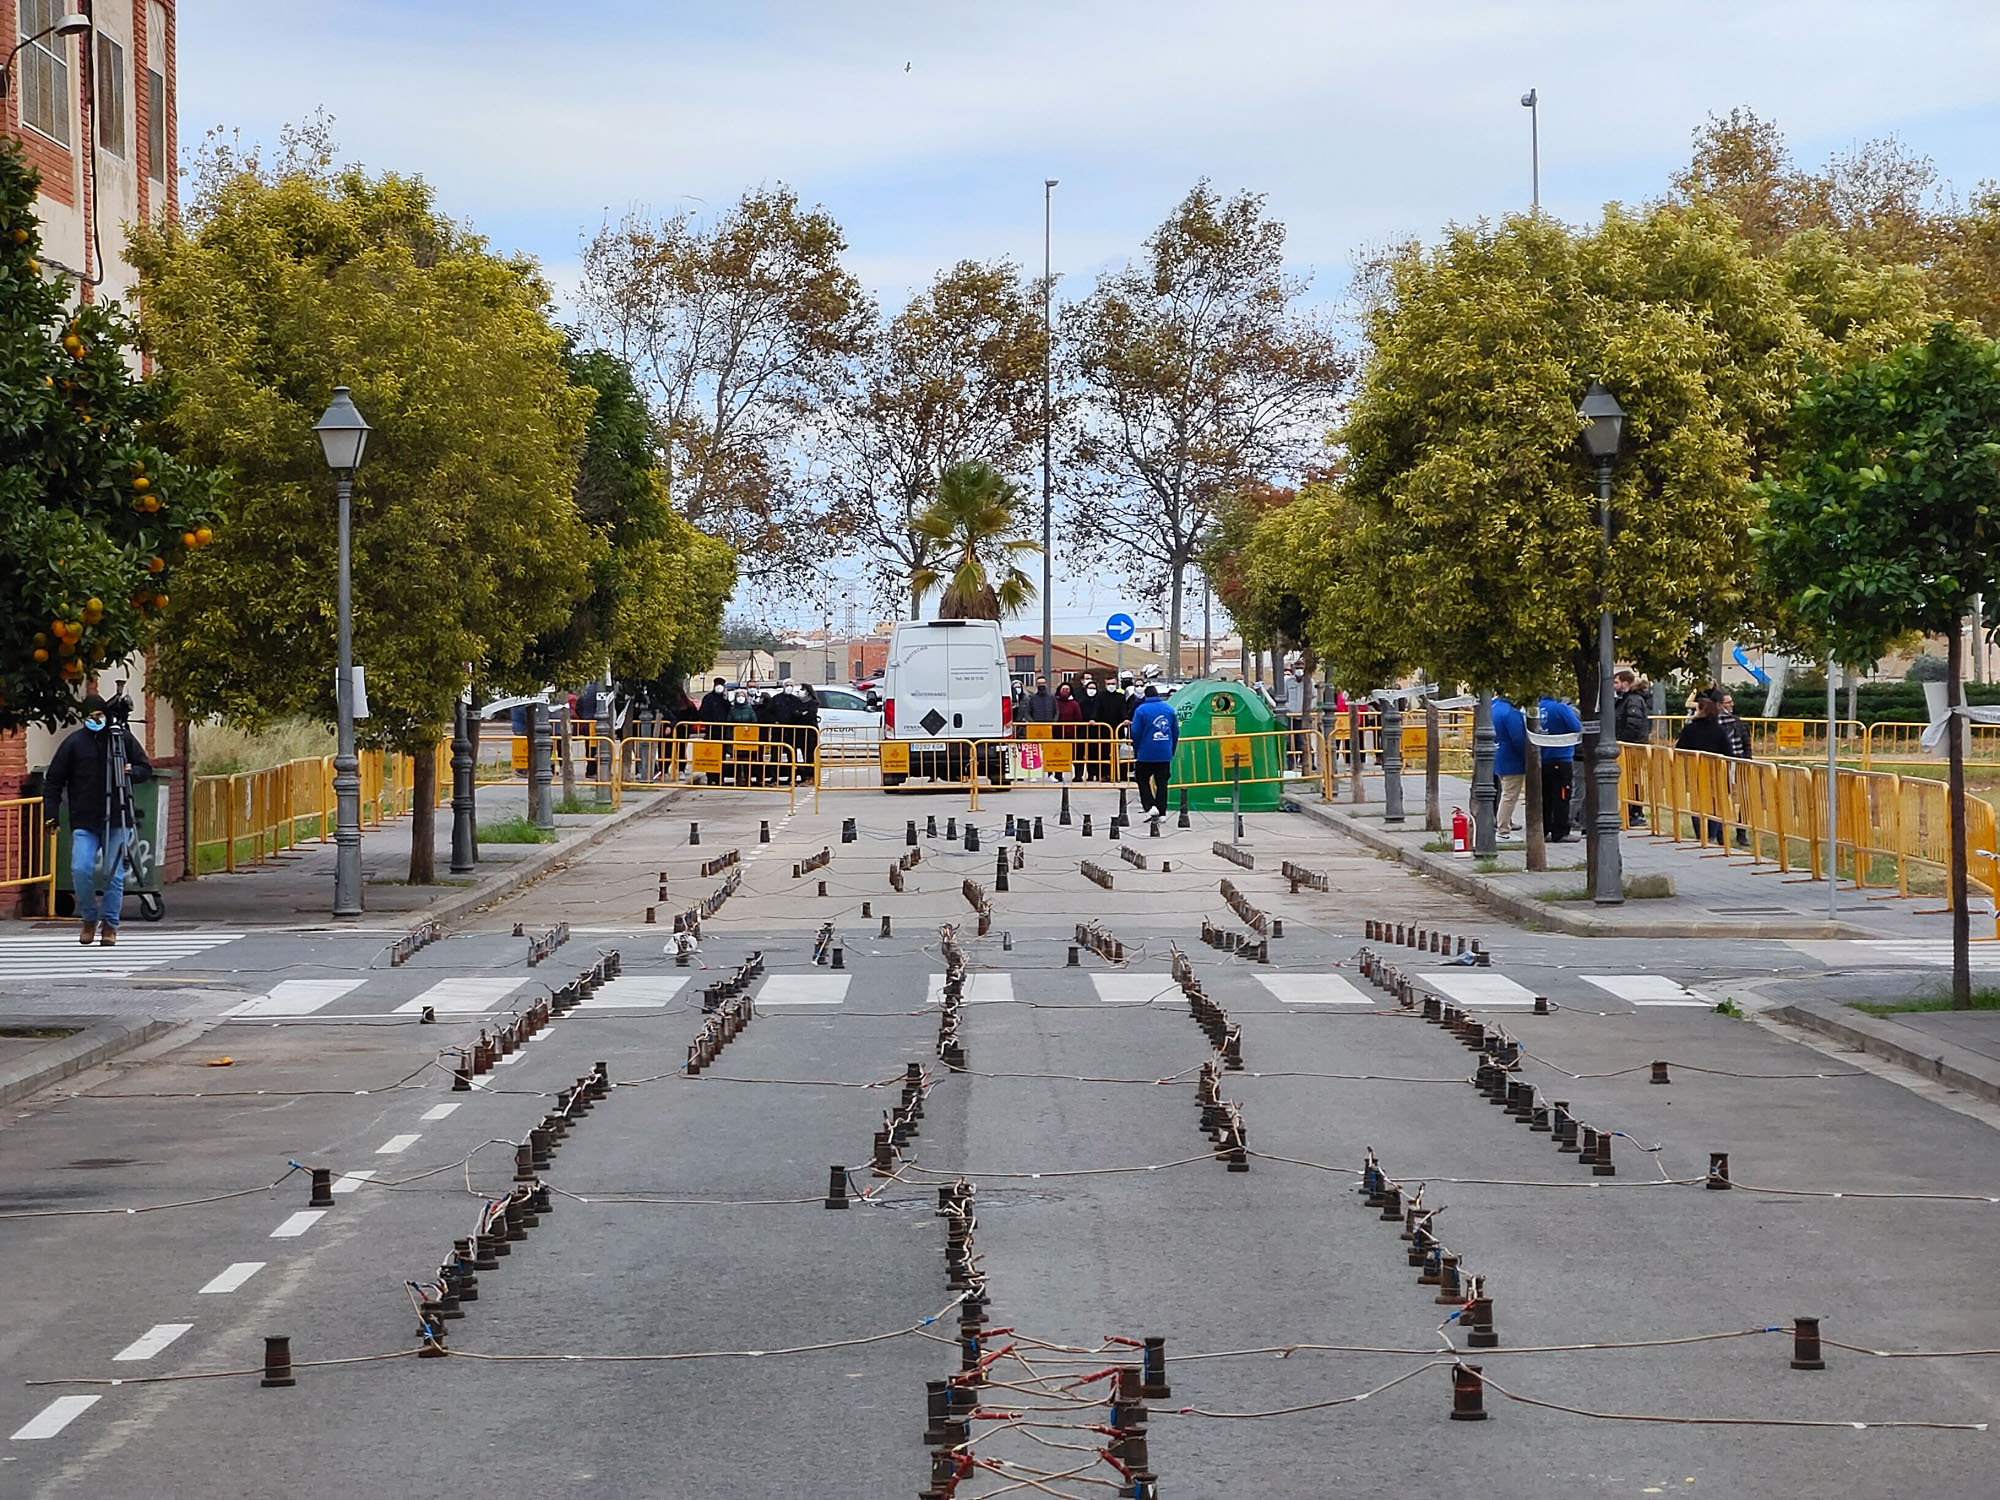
[[1603, 422], [343, 437]]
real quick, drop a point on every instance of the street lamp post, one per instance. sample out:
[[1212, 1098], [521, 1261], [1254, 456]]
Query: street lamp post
[[343, 437], [73, 24], [1048, 508], [1531, 102], [1603, 422]]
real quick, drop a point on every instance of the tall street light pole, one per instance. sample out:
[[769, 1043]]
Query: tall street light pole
[[1531, 102], [1048, 506], [343, 436], [1603, 422]]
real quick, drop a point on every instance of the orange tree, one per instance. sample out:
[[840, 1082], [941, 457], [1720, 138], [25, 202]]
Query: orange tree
[[94, 520]]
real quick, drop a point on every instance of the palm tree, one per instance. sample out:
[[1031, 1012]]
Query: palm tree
[[973, 529]]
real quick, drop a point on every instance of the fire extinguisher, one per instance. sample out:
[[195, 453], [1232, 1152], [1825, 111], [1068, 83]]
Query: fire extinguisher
[[1461, 832]]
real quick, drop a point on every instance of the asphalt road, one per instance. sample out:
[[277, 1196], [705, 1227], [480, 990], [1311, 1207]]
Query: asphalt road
[[689, 1321]]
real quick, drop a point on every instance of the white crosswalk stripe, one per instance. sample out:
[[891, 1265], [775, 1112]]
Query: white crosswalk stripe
[[295, 997], [1480, 991], [1134, 989], [986, 988], [465, 996], [1647, 989], [1313, 989], [58, 955], [636, 992], [804, 989], [1895, 953]]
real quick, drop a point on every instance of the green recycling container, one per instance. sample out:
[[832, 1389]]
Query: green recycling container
[[1208, 709]]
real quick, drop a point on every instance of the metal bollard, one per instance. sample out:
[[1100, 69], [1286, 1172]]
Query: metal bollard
[[278, 1360], [322, 1188], [1805, 1345], [1718, 1172], [1153, 1375], [1659, 1073], [1468, 1394], [836, 1186], [1478, 1322]]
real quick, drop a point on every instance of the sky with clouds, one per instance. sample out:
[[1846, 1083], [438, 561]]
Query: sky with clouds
[[927, 129]]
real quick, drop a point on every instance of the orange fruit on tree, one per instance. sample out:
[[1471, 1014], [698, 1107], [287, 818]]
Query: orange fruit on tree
[[141, 483], [203, 536], [188, 540], [41, 653], [93, 603], [20, 236], [160, 600], [156, 564]]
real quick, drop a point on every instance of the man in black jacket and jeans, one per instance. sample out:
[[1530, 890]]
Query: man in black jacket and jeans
[[85, 767]]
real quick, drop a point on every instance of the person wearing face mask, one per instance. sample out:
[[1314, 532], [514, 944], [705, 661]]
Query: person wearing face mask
[[84, 768], [1041, 705], [1094, 750]]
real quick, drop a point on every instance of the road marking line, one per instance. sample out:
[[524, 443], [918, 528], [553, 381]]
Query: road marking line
[[509, 1060], [465, 995], [296, 997], [636, 992], [1312, 989], [298, 1223], [438, 1112], [397, 1144], [980, 989], [804, 989], [1899, 952], [348, 1182], [1647, 989], [54, 1417], [234, 1277], [1481, 991], [152, 1341], [1132, 989]]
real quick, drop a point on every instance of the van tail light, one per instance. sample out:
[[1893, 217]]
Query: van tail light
[[889, 713], [1006, 710]]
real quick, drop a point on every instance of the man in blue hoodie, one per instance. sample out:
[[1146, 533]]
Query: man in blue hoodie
[[1558, 768], [1156, 733]]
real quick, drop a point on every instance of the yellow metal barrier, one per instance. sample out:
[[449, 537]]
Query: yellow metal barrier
[[250, 817], [1888, 827], [27, 849], [759, 757]]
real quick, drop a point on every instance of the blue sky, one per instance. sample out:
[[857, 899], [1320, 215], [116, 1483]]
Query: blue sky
[[927, 129]]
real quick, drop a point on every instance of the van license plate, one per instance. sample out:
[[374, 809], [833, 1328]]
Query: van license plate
[[927, 747]]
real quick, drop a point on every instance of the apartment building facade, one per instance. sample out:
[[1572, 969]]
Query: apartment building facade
[[95, 112]]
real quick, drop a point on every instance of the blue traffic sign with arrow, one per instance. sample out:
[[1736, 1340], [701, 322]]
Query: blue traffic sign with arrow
[[1120, 628]]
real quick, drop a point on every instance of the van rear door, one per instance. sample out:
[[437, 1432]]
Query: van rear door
[[976, 676]]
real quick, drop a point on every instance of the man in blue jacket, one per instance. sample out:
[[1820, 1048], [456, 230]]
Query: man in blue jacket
[[1156, 732], [1558, 767]]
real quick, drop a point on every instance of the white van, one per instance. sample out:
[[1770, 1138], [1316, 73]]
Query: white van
[[944, 686]]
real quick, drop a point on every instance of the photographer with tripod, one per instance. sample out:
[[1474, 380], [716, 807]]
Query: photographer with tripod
[[96, 766]]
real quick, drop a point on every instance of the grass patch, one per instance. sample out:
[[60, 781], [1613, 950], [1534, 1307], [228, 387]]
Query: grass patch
[[516, 830], [38, 1033], [219, 749], [1437, 846], [1982, 999], [1729, 1008], [581, 805], [1565, 893], [1488, 867]]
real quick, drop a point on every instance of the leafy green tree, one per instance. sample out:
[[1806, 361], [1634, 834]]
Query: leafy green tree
[[743, 331], [282, 282], [974, 531], [1886, 518], [655, 579], [955, 376], [1193, 371], [741, 634], [95, 521]]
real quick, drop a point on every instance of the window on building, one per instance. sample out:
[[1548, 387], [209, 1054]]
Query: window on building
[[1024, 664], [111, 111], [156, 125], [44, 71]]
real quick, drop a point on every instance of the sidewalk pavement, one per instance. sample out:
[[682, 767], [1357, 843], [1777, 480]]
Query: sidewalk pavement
[[1715, 894], [1957, 1048], [294, 890], [297, 886]]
